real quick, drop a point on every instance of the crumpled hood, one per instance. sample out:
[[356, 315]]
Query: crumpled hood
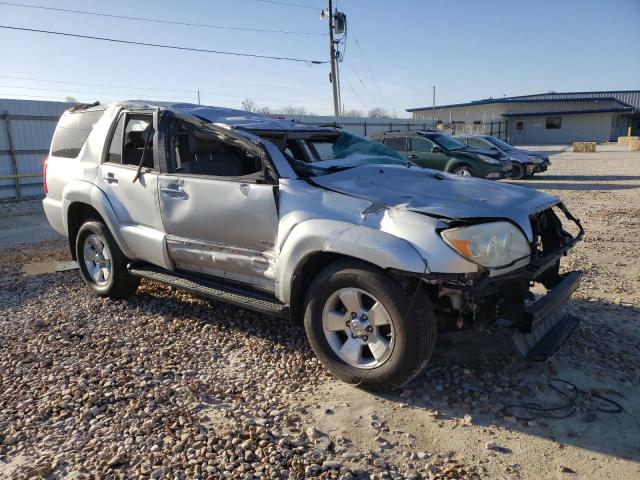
[[439, 194]]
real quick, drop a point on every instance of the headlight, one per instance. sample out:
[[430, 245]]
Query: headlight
[[488, 159], [493, 245]]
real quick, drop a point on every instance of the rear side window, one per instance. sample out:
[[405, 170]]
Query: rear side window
[[72, 131], [399, 144]]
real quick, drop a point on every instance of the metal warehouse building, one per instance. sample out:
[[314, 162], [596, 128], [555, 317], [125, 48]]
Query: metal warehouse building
[[546, 118]]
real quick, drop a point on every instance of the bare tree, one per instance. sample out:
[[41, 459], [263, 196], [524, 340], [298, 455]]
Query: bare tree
[[71, 99], [293, 110], [264, 110], [354, 112], [378, 112], [249, 105]]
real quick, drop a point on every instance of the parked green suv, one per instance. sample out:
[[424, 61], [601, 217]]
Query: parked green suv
[[442, 152]]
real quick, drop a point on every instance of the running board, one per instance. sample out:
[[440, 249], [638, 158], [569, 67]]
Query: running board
[[233, 294], [546, 338]]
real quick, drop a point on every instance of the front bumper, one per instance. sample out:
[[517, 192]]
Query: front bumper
[[504, 172]]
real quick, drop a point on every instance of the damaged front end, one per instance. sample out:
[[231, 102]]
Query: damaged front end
[[529, 297]]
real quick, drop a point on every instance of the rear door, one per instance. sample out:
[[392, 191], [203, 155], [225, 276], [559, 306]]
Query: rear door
[[218, 203], [133, 145]]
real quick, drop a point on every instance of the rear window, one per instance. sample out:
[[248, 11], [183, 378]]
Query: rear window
[[72, 131]]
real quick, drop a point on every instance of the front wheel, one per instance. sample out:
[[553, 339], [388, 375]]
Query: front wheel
[[518, 171], [102, 264], [366, 329], [463, 170]]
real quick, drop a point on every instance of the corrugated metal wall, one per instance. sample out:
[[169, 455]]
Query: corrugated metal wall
[[30, 125], [595, 127], [363, 126]]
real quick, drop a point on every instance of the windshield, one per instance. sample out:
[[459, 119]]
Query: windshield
[[502, 145], [447, 142], [331, 153]]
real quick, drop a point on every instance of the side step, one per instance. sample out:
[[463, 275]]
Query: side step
[[546, 338], [223, 292]]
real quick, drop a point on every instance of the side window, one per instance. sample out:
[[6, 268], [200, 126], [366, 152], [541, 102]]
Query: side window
[[201, 151], [519, 126], [399, 144], [477, 143], [138, 141], [115, 148], [72, 131], [419, 144]]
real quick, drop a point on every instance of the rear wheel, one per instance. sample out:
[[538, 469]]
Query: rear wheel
[[365, 328], [102, 264], [518, 171], [463, 170]]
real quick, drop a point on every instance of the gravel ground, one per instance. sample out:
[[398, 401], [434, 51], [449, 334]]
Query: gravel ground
[[168, 385]]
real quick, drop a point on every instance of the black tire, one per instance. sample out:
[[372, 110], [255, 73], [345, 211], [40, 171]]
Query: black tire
[[413, 319], [518, 171], [121, 283], [459, 169]]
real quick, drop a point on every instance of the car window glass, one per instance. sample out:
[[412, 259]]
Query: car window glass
[[399, 144], [419, 144], [138, 141], [477, 143], [200, 151], [72, 131], [115, 148]]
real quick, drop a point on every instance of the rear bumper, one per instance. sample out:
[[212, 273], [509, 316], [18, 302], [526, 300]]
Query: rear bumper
[[53, 212]]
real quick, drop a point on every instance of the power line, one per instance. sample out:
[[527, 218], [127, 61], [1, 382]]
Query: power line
[[364, 57], [356, 94], [362, 82], [130, 87], [173, 47], [158, 20], [288, 4]]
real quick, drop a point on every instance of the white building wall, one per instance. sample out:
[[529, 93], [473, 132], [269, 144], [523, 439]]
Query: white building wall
[[595, 127]]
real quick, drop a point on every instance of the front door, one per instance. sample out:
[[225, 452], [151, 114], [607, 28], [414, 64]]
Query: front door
[[218, 205], [134, 197], [421, 152]]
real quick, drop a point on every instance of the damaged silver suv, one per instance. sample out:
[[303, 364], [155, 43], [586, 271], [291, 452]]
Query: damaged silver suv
[[373, 254]]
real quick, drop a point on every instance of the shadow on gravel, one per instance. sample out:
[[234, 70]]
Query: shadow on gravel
[[480, 374], [574, 186]]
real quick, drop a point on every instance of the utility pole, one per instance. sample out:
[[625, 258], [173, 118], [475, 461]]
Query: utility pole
[[434, 102], [334, 68], [198, 97]]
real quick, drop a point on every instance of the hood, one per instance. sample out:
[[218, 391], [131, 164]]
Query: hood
[[438, 194], [543, 156], [483, 151]]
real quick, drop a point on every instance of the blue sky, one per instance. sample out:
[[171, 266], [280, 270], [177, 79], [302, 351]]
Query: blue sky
[[469, 49]]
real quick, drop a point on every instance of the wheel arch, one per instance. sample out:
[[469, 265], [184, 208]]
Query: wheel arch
[[83, 201], [314, 244]]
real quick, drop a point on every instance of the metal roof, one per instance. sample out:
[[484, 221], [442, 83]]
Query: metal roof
[[623, 97], [569, 112]]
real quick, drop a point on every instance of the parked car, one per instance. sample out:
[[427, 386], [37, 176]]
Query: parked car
[[441, 152], [525, 163], [371, 253]]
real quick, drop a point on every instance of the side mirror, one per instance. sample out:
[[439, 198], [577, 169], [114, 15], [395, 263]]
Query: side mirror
[[436, 150]]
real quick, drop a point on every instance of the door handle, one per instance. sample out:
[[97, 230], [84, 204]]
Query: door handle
[[413, 156], [110, 178], [174, 192]]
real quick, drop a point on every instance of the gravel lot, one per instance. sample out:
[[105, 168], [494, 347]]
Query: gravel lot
[[168, 385]]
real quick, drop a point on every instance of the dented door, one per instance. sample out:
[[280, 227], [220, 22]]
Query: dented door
[[221, 227]]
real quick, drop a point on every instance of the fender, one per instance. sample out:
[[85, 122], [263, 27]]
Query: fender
[[85, 192], [358, 241]]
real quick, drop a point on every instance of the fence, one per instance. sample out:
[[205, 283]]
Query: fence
[[27, 126]]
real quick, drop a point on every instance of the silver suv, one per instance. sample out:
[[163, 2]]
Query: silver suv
[[373, 254]]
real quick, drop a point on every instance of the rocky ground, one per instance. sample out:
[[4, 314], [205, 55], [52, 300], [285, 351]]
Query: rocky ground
[[167, 385]]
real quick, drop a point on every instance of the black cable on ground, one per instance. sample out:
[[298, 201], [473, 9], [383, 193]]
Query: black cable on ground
[[565, 410]]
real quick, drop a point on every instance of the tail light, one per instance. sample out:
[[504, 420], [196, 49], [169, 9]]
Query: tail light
[[44, 174]]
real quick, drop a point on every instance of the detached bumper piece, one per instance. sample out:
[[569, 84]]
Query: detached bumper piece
[[550, 326]]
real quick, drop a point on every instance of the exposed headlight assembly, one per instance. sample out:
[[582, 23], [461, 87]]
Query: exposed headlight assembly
[[534, 159], [492, 245], [488, 159]]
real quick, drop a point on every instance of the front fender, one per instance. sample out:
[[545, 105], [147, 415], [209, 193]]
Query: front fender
[[358, 241], [87, 193]]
